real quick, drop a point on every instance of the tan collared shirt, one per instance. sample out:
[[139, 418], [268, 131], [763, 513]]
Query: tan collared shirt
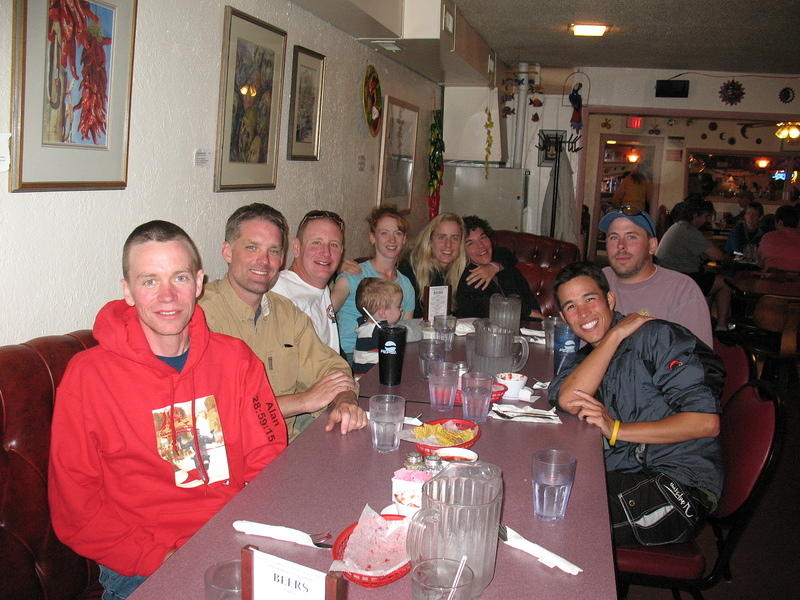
[[282, 337]]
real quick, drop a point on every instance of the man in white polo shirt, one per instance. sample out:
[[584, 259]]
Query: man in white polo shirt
[[318, 250], [644, 287]]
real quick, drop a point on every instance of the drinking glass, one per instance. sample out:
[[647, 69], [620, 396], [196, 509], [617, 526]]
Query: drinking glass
[[435, 579], [553, 476], [445, 327], [549, 325], [386, 413], [430, 351], [442, 385], [476, 395], [224, 580]]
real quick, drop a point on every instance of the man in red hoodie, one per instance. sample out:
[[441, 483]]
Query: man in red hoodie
[[158, 426]]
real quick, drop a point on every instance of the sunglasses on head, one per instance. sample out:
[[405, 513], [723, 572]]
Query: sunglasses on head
[[313, 215], [632, 211]]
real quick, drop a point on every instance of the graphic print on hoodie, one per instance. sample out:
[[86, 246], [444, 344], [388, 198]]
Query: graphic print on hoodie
[[197, 459]]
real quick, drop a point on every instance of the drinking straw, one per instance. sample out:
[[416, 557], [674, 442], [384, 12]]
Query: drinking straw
[[458, 577], [364, 308]]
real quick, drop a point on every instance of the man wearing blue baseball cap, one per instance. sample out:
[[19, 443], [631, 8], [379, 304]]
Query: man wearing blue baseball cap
[[644, 287]]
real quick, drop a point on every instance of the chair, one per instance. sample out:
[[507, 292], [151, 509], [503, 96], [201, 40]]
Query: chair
[[777, 319], [750, 434], [740, 368]]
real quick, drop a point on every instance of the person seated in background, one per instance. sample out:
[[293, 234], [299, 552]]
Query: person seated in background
[[306, 374], [388, 232], [653, 391], [318, 250], [643, 287], [160, 424], [748, 231], [472, 301], [685, 249], [383, 300], [780, 249]]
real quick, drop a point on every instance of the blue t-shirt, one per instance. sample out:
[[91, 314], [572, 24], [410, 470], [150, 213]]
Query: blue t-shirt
[[348, 314]]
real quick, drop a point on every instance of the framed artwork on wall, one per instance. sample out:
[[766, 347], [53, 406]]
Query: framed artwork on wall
[[250, 92], [398, 146], [71, 94], [308, 76]]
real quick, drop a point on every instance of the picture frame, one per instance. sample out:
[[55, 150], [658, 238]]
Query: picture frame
[[71, 95], [398, 151], [250, 94], [305, 109], [549, 140]]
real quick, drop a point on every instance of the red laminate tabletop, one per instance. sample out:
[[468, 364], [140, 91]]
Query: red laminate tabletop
[[323, 480]]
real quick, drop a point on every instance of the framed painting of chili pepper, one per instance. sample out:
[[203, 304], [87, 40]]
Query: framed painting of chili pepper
[[72, 67], [251, 89], [308, 75]]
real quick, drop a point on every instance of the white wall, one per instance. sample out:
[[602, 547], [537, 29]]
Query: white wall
[[60, 251]]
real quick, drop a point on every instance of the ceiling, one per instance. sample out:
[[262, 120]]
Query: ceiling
[[740, 36]]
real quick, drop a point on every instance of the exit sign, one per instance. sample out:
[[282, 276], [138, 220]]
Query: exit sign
[[634, 122]]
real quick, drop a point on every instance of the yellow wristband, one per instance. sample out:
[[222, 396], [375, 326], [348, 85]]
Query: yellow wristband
[[613, 439]]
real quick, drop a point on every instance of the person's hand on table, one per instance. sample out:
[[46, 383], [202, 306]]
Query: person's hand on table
[[593, 412], [327, 389], [481, 277], [347, 414]]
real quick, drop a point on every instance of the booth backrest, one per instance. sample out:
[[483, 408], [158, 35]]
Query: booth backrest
[[34, 564], [540, 259]]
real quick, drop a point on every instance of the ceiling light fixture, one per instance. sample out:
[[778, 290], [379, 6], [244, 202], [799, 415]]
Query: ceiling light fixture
[[790, 129], [588, 30], [633, 156], [762, 163]]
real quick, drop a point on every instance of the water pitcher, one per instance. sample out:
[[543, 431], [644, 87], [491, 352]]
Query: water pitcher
[[460, 515], [505, 311], [497, 349]]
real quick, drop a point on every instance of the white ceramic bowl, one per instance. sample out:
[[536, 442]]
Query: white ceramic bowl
[[514, 382], [457, 454]]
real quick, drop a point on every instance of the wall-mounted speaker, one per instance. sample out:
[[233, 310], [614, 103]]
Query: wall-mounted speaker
[[672, 88]]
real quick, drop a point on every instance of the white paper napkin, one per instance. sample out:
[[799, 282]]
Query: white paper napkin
[[544, 555], [526, 414], [534, 336], [287, 534], [465, 326]]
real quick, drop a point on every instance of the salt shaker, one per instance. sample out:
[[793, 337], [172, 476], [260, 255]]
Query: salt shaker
[[414, 462], [433, 463]]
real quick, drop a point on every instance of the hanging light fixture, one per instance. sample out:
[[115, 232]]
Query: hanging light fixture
[[633, 156], [790, 129], [762, 163]]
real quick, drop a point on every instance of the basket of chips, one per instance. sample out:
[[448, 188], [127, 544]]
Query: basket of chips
[[447, 433], [369, 581], [498, 391]]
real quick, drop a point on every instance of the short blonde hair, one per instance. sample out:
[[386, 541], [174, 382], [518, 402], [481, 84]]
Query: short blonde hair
[[376, 294]]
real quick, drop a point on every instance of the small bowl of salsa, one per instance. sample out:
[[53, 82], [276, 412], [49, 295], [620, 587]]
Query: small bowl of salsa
[[453, 454]]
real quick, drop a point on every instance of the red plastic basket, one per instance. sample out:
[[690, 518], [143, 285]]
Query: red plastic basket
[[367, 580], [460, 424], [498, 390]]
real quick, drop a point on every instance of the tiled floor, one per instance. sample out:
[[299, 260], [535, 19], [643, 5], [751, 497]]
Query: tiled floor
[[766, 563]]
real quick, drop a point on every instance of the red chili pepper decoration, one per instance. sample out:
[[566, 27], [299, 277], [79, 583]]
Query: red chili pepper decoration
[[94, 84]]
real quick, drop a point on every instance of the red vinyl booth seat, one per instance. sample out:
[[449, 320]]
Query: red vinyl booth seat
[[34, 564], [540, 259]]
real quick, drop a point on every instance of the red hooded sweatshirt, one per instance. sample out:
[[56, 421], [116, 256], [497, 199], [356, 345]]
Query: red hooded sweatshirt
[[141, 455]]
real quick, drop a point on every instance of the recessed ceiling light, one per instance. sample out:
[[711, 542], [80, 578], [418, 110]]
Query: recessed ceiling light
[[611, 141], [592, 30]]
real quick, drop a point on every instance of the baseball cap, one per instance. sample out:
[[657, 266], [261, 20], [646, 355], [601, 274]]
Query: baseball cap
[[636, 215]]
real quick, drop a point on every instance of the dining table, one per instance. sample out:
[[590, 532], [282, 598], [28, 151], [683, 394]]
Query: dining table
[[323, 480], [765, 284]]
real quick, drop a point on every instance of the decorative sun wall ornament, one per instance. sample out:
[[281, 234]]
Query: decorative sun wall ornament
[[786, 95], [488, 125], [731, 92], [372, 99]]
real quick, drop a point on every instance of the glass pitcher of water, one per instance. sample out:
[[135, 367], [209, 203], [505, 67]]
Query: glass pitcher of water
[[460, 515]]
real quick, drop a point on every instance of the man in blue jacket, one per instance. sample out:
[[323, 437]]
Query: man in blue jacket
[[653, 390]]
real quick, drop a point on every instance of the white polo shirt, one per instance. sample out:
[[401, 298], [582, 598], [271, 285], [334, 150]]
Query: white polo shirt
[[315, 302]]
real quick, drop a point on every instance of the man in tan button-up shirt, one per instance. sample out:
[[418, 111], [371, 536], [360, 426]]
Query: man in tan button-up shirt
[[306, 375]]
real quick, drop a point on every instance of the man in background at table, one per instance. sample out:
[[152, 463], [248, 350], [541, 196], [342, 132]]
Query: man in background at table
[[158, 426], [653, 390], [306, 375], [641, 286], [780, 249], [318, 250]]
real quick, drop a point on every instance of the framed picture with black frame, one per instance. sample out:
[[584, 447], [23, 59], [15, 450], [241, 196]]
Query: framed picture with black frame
[[308, 76]]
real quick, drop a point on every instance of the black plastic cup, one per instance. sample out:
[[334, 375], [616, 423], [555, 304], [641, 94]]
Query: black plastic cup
[[391, 350]]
